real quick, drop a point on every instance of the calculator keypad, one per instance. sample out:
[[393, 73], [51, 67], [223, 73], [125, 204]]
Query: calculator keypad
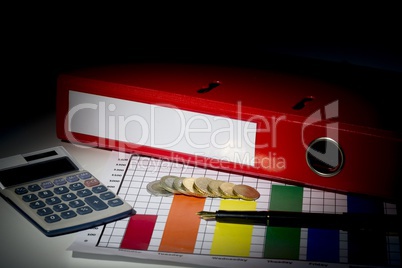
[[68, 197]]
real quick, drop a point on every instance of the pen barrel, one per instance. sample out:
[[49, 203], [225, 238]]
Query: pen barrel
[[242, 217], [345, 221]]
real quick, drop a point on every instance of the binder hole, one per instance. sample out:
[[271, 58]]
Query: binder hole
[[301, 104], [211, 86], [325, 157]]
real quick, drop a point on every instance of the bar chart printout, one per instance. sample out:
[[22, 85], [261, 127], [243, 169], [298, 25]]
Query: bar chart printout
[[167, 228]]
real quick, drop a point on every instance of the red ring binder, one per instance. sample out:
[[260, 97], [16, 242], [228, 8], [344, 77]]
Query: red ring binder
[[253, 121]]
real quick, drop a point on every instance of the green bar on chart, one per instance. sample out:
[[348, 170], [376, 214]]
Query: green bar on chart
[[284, 242]]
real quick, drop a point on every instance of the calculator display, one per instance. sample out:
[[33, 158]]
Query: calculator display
[[27, 173]]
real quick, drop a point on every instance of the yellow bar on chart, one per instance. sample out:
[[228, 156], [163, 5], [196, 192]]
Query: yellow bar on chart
[[233, 239]]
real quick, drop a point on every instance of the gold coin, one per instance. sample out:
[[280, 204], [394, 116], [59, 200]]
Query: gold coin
[[188, 186], [178, 185], [246, 192], [167, 183], [155, 188], [213, 188], [226, 190], [201, 185]]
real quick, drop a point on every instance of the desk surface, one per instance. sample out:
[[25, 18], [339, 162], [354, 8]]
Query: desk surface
[[22, 244]]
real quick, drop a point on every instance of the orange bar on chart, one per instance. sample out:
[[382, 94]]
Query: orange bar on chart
[[180, 233]]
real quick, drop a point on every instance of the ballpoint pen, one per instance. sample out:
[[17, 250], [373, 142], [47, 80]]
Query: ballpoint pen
[[344, 221]]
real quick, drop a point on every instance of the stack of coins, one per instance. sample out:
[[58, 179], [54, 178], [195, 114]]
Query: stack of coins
[[201, 187]]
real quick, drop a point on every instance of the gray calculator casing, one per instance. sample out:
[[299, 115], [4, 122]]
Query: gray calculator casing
[[33, 168]]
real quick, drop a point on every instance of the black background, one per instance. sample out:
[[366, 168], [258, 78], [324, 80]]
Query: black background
[[358, 48], [30, 73]]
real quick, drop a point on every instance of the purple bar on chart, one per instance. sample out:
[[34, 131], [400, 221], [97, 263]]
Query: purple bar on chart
[[323, 245], [365, 247], [139, 232]]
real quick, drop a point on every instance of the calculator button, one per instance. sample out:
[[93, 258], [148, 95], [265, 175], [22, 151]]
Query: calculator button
[[84, 193], [60, 207], [34, 188], [47, 184], [44, 211], [95, 203], [115, 202], [107, 195], [29, 197], [45, 194], [99, 189], [85, 175], [72, 178], [76, 186], [37, 204], [20, 190], [61, 190], [68, 197], [91, 182], [84, 210], [68, 214], [76, 203], [59, 181], [52, 218], [53, 200]]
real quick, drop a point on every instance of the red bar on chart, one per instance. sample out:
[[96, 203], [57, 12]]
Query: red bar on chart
[[138, 232]]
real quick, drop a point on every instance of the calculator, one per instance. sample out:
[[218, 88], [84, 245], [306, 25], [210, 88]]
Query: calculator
[[51, 189]]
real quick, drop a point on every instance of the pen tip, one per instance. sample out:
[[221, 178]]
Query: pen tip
[[207, 215]]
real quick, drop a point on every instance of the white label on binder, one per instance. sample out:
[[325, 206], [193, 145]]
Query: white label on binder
[[163, 126]]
